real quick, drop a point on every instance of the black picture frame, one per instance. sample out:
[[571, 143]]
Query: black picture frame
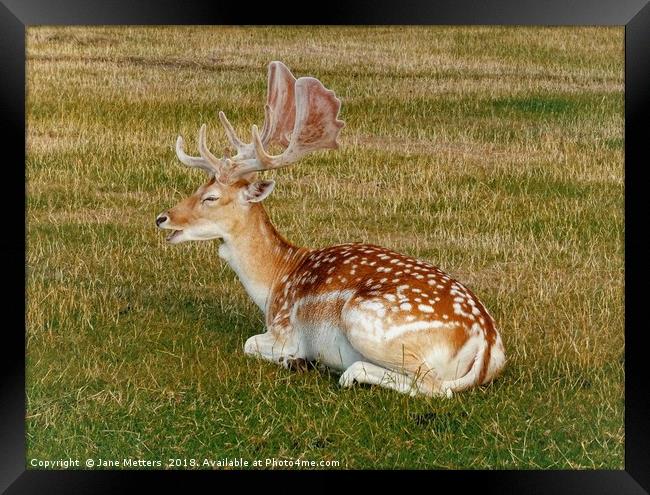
[[16, 15]]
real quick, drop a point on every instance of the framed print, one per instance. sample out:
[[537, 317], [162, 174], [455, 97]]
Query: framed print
[[397, 240]]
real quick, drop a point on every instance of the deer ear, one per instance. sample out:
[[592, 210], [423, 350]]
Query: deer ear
[[257, 191]]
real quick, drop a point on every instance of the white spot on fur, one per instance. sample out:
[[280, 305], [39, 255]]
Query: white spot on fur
[[373, 305], [398, 330]]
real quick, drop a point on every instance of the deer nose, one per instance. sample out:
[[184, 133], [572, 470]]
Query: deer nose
[[161, 219]]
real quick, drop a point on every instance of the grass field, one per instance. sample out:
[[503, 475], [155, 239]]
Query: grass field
[[495, 153]]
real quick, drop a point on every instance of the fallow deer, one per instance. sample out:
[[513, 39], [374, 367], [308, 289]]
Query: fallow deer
[[375, 315]]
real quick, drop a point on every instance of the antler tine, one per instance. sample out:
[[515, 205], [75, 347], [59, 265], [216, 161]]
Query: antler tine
[[242, 148], [235, 170], [191, 161], [207, 161], [232, 135], [267, 127], [206, 154], [264, 159], [245, 150]]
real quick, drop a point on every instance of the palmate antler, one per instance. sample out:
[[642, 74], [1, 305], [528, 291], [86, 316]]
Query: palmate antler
[[300, 114]]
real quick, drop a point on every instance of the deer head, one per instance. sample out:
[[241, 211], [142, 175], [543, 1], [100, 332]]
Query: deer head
[[300, 116]]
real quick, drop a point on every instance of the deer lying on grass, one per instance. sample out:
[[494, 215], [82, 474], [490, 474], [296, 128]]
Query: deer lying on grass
[[377, 316]]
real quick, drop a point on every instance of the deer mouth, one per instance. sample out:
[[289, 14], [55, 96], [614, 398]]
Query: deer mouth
[[173, 235]]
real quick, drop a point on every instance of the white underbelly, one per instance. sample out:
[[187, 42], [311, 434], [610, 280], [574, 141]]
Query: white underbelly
[[329, 346]]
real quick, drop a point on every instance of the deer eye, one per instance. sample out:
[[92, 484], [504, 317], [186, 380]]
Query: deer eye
[[210, 198]]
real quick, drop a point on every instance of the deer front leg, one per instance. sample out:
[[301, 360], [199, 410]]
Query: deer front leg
[[364, 372], [275, 348]]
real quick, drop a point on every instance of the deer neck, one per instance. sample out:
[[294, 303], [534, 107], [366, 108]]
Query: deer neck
[[259, 255]]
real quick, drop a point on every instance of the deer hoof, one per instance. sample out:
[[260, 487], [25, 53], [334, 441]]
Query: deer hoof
[[297, 364]]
